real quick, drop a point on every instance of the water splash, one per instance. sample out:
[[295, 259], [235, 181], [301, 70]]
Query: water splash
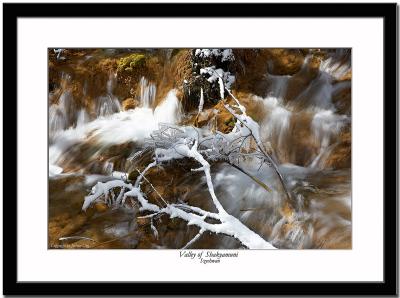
[[108, 104], [57, 119], [278, 85], [118, 128], [62, 114], [334, 67], [147, 93], [325, 125], [82, 117]]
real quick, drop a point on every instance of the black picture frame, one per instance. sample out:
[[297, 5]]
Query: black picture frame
[[11, 12]]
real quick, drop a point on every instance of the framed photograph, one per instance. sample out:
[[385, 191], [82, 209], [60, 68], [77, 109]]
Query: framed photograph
[[200, 149]]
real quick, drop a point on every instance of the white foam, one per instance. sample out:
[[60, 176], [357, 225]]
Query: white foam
[[132, 125]]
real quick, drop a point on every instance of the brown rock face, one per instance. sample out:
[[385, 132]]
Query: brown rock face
[[254, 81], [347, 77], [284, 61], [130, 104], [86, 74], [301, 147], [342, 101], [166, 68], [340, 156], [299, 82], [204, 117], [253, 66], [86, 68], [224, 120]]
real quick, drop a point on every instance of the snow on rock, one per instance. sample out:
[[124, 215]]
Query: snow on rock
[[223, 54], [216, 74]]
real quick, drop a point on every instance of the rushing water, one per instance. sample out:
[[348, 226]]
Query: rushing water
[[302, 133]]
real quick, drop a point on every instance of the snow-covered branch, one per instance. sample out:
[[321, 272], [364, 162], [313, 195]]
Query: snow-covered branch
[[176, 143], [170, 143], [245, 125], [228, 225]]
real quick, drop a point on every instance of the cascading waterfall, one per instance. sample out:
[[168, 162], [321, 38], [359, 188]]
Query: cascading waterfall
[[323, 123], [57, 119], [324, 126], [111, 126], [278, 85], [147, 93], [60, 114], [82, 117], [275, 127], [108, 104]]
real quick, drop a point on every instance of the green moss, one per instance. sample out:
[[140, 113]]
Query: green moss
[[230, 122], [131, 62]]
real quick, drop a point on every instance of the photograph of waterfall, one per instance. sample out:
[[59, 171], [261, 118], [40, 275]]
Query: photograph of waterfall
[[239, 148]]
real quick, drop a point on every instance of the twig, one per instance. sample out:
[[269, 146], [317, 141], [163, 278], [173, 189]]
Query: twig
[[144, 177], [194, 239], [274, 165], [270, 160], [262, 184]]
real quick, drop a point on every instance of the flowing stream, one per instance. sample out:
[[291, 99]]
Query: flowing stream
[[304, 133]]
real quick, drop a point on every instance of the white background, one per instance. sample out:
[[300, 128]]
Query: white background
[[361, 263], [128, 265]]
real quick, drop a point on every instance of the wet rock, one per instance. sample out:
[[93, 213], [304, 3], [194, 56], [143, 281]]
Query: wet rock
[[342, 101], [77, 83], [92, 157], [300, 147], [204, 117], [64, 225], [133, 62], [225, 122], [340, 156], [163, 67], [130, 104], [130, 69], [254, 105], [284, 61], [346, 77], [207, 66], [253, 66], [299, 81], [143, 222], [100, 207]]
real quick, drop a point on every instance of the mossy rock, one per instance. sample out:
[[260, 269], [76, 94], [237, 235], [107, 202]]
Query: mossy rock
[[231, 123], [131, 62]]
